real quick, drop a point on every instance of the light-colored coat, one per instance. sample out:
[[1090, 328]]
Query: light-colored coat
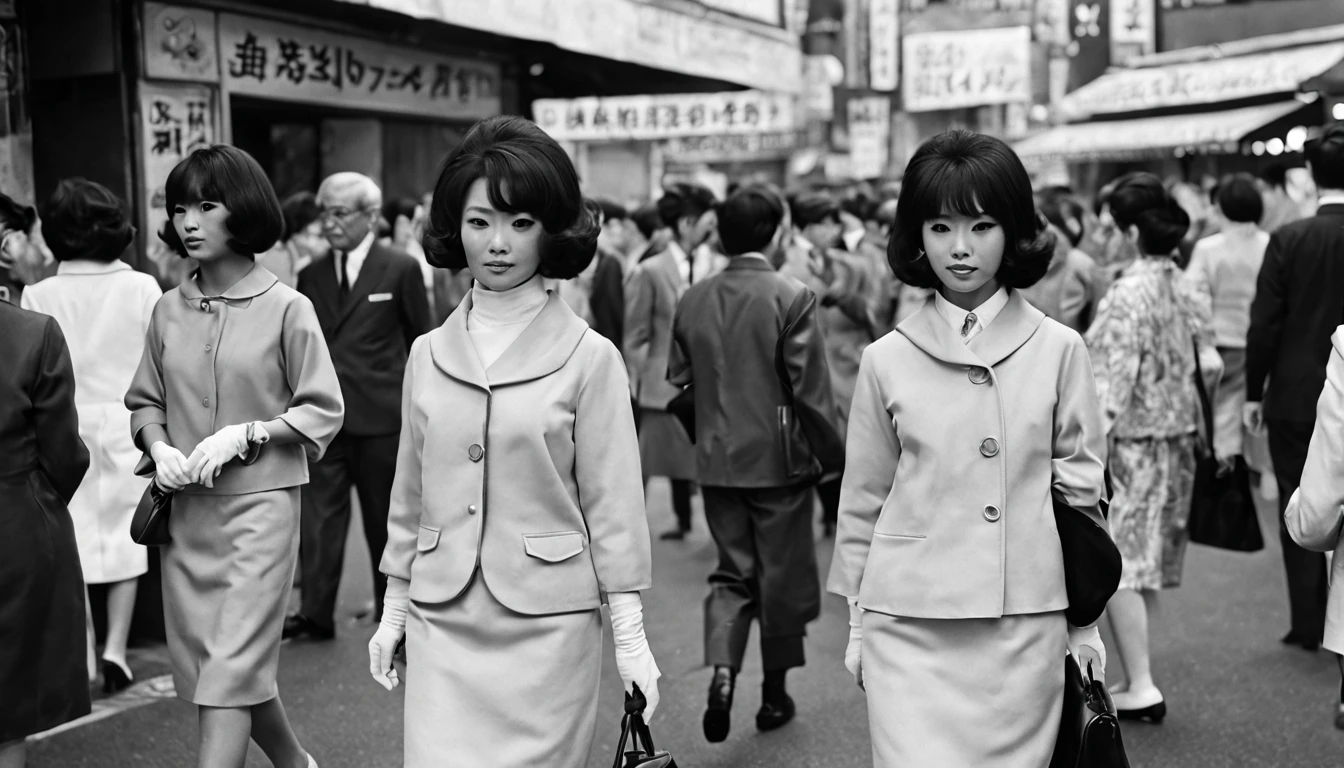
[[651, 293], [543, 445], [953, 453], [1315, 514]]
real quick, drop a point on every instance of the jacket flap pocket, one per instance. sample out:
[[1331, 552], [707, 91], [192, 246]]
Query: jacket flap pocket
[[428, 540], [553, 547]]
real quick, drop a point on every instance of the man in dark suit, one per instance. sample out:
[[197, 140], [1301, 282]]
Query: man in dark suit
[[371, 303], [764, 434], [1299, 301]]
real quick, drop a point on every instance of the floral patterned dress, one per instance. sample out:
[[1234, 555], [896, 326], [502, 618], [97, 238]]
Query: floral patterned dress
[[1143, 355]]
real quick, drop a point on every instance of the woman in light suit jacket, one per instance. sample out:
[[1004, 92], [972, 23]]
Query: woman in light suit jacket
[[517, 503], [966, 421], [1315, 514]]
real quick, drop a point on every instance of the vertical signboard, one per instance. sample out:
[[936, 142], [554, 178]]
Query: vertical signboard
[[869, 135], [175, 120], [1090, 49], [1133, 29], [884, 34]]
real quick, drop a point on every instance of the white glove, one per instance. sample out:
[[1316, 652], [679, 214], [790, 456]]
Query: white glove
[[383, 644], [854, 651], [171, 469], [215, 451], [1086, 647], [634, 658]]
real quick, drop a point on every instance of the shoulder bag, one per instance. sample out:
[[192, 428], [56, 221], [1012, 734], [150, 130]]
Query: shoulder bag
[[1091, 564]]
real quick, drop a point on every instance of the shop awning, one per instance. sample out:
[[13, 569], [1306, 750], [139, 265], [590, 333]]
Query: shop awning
[[1201, 82], [1153, 136]]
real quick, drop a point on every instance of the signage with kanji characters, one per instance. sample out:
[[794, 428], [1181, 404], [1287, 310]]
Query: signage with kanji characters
[[179, 43], [663, 117], [175, 120], [968, 68], [283, 61], [884, 64], [869, 135]]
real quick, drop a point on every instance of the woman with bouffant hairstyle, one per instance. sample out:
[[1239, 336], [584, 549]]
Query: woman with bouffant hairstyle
[[1143, 346], [517, 504], [968, 422], [104, 308]]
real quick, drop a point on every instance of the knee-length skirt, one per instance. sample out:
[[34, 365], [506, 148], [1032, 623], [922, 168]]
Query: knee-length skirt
[[1152, 482], [226, 580], [964, 692], [486, 686]]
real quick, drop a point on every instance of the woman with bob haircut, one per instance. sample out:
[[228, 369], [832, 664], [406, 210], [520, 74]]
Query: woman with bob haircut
[[1143, 345], [517, 503], [103, 307], [235, 394], [967, 422]]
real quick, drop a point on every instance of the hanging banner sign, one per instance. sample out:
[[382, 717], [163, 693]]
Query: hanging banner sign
[[736, 146], [970, 68], [869, 135], [663, 117], [292, 63], [884, 34], [1133, 29], [175, 120]]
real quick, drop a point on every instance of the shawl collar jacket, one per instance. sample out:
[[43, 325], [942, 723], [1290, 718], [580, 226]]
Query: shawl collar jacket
[[954, 451], [527, 470]]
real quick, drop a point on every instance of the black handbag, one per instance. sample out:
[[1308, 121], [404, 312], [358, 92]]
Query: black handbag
[[149, 526], [1222, 513], [1089, 729], [682, 407], [1091, 564], [633, 724]]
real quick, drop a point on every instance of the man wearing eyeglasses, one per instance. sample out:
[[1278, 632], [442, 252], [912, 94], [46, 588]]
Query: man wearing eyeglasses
[[370, 300]]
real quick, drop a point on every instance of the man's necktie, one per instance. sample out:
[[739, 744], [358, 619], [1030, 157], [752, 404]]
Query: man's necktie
[[343, 282], [968, 325]]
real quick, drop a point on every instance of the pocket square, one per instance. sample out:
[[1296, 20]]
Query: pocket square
[[380, 297]]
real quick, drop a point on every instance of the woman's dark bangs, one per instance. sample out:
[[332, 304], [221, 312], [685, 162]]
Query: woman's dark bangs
[[515, 185], [950, 189], [193, 181]]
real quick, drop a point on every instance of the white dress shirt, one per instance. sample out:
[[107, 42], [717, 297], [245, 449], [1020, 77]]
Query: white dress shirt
[[353, 260], [984, 314]]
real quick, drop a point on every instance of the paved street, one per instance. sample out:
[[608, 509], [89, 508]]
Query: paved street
[[1236, 697]]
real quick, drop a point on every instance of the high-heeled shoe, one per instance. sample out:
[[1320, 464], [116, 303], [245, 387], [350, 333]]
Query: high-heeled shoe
[[1151, 714], [115, 677]]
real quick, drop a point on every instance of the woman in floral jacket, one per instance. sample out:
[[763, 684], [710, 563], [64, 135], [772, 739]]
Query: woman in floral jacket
[[1143, 344]]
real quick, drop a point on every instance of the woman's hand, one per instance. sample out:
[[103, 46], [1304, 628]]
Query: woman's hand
[[171, 468], [215, 451], [634, 658], [1087, 649], [381, 648], [854, 651]]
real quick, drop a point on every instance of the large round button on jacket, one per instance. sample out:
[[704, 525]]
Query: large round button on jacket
[[475, 452], [992, 513], [978, 375], [989, 447]]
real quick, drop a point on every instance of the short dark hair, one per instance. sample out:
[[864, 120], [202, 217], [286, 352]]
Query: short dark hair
[[647, 220], [83, 220], [1239, 198], [300, 210], [684, 199], [525, 171], [1140, 200], [1064, 211], [611, 210], [16, 216], [973, 175], [813, 208], [1275, 175], [1326, 155], [748, 219], [226, 174]]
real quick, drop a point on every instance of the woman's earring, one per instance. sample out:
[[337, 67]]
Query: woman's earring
[[921, 254]]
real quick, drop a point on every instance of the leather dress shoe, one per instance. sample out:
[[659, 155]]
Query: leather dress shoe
[[717, 718], [1153, 714], [299, 627], [1307, 643], [775, 712]]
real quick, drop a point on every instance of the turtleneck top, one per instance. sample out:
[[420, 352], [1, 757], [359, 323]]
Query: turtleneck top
[[498, 318]]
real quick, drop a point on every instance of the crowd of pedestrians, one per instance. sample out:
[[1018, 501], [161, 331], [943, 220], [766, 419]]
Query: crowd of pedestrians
[[927, 373]]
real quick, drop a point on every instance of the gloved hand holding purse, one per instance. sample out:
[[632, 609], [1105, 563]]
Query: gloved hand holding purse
[[634, 658]]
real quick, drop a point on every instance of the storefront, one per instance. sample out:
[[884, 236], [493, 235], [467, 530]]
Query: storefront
[[1195, 113]]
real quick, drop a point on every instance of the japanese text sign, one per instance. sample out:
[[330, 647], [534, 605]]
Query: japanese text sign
[[884, 68], [175, 120], [282, 61], [869, 135], [949, 70], [664, 117]]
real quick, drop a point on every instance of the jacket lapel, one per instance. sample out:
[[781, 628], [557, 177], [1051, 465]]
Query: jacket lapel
[[544, 346], [370, 275], [1015, 324], [324, 285]]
